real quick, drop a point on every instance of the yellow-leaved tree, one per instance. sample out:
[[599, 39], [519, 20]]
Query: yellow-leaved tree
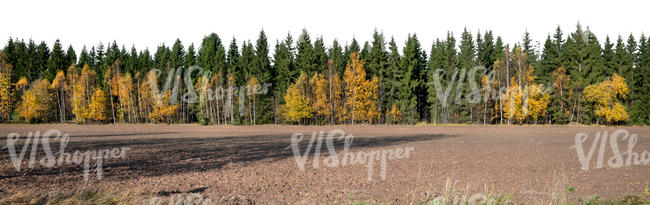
[[6, 96], [83, 87], [361, 94], [320, 88], [605, 97], [393, 114], [97, 107], [536, 99], [35, 105], [537, 102], [297, 105], [163, 111], [125, 95], [252, 87], [512, 102], [57, 86], [336, 101]]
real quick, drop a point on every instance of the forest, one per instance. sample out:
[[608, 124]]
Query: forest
[[474, 78]]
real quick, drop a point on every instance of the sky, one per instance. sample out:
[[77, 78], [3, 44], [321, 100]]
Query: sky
[[148, 24]]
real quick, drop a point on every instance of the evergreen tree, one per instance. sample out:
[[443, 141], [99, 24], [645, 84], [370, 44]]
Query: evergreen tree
[[84, 58], [265, 75], [336, 54], [190, 56], [56, 61], [212, 54], [282, 75], [528, 48], [485, 51], [363, 54], [392, 76], [412, 95], [377, 64], [71, 56], [177, 55], [609, 58], [640, 84], [305, 56], [320, 56], [246, 64], [435, 65], [466, 61]]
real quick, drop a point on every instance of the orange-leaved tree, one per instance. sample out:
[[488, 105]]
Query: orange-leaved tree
[[320, 88], [361, 94]]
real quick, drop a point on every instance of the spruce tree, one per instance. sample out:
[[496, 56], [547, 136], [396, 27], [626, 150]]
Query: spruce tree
[[336, 54], [393, 74], [56, 61], [377, 65], [70, 56], [466, 61], [412, 95], [305, 54], [265, 75], [609, 58], [319, 56]]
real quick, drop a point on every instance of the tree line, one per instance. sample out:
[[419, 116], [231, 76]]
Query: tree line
[[480, 79]]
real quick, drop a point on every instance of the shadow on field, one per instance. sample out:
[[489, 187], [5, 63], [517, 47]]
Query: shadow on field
[[162, 156], [3, 139]]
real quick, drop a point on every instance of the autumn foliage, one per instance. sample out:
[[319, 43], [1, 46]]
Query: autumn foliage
[[606, 98]]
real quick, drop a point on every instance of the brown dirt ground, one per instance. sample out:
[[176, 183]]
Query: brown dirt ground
[[534, 163]]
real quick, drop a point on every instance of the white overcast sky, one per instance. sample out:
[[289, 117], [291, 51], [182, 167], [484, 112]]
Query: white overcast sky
[[151, 23]]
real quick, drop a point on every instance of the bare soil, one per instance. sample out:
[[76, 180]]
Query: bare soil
[[253, 163]]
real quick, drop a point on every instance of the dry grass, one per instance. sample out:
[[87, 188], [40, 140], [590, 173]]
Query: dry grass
[[87, 196]]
